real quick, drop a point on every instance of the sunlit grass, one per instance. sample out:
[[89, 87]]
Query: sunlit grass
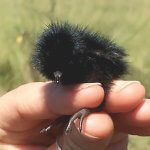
[[126, 22]]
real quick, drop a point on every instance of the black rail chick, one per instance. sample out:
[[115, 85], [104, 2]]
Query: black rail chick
[[70, 54]]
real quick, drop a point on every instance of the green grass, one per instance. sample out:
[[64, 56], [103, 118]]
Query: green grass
[[139, 143], [126, 22]]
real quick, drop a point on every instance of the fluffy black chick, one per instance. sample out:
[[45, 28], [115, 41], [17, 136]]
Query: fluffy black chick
[[69, 54]]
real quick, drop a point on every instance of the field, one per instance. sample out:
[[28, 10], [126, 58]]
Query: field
[[126, 22]]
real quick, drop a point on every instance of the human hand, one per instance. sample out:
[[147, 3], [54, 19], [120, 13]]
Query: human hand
[[29, 108]]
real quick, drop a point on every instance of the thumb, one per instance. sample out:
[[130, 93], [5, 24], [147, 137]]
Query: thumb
[[96, 134]]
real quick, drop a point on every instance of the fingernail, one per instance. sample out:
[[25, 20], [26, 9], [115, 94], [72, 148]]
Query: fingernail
[[87, 85], [120, 84]]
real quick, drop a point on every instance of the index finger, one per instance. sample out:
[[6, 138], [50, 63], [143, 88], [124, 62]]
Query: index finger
[[41, 100]]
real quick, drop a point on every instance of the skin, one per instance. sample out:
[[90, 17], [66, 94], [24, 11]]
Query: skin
[[32, 107]]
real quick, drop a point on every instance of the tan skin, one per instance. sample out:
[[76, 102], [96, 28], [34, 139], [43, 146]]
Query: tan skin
[[31, 107]]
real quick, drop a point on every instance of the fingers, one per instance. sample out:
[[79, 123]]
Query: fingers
[[48, 100], [139, 117], [125, 96], [130, 112], [135, 122], [96, 134]]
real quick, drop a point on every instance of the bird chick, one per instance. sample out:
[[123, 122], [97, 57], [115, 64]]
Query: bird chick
[[70, 54]]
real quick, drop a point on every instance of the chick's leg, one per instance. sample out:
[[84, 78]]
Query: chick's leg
[[78, 115]]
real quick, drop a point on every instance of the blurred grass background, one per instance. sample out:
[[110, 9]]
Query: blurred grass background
[[126, 22]]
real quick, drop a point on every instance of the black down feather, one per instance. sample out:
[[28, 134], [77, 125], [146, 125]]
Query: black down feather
[[79, 55]]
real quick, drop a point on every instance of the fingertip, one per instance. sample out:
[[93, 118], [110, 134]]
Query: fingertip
[[90, 97], [98, 125]]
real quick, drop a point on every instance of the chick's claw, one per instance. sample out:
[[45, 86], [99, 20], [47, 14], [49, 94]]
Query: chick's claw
[[78, 115]]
